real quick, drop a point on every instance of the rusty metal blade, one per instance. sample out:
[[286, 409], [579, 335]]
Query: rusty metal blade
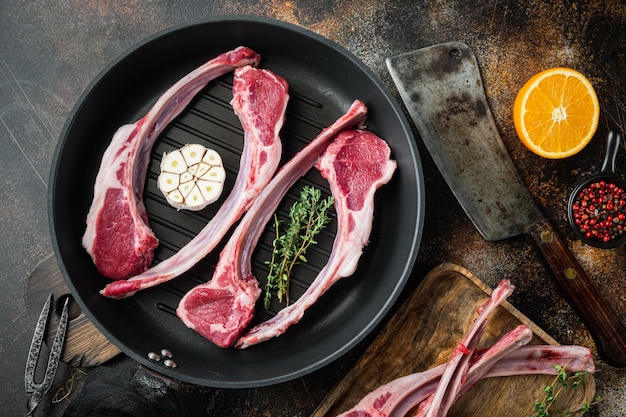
[[442, 89]]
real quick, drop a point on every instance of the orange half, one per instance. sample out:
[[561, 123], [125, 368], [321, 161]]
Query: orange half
[[556, 113]]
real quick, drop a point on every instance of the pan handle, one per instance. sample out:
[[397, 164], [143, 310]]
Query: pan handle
[[613, 143], [582, 294]]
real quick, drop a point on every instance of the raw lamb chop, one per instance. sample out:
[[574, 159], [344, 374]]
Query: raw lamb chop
[[356, 164], [260, 100], [221, 309], [117, 236]]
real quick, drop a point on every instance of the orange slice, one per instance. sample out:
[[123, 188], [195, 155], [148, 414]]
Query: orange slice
[[556, 113]]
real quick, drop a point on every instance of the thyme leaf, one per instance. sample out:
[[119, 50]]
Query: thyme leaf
[[562, 381], [307, 217]]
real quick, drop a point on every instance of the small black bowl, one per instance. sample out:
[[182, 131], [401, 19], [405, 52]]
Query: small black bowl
[[607, 173]]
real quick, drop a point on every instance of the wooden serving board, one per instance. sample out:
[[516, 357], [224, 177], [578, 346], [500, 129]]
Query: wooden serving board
[[84, 346], [423, 333]]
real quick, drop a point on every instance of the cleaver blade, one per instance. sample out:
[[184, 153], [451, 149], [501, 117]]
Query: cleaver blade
[[442, 89]]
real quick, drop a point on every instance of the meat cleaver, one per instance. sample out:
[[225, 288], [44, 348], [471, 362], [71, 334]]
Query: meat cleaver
[[442, 89]]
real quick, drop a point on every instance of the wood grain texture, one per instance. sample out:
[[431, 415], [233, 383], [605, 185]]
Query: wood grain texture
[[84, 346], [601, 319], [423, 333]]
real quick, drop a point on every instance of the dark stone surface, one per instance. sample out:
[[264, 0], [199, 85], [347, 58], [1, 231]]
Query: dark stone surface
[[50, 50]]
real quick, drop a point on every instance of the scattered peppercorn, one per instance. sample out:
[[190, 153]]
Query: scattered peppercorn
[[599, 211]]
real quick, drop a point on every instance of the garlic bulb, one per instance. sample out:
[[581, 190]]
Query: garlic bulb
[[191, 177]]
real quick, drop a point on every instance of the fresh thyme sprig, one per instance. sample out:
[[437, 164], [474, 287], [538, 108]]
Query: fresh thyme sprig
[[307, 217], [561, 382]]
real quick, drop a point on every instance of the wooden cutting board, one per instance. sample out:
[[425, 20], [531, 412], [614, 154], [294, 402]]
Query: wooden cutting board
[[423, 333], [84, 346]]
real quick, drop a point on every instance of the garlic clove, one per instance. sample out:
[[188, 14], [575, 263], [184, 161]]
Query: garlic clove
[[212, 158], [173, 162], [168, 182], [175, 197], [215, 174], [186, 188], [200, 169], [186, 177], [210, 190], [193, 153], [195, 198]]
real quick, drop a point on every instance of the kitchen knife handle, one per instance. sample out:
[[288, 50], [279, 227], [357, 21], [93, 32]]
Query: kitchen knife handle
[[582, 294]]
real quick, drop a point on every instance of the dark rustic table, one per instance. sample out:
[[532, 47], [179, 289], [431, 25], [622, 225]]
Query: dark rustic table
[[50, 50]]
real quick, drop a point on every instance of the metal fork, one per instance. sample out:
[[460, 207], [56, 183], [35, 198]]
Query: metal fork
[[36, 390]]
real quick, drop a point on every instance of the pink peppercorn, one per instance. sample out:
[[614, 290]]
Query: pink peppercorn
[[599, 211]]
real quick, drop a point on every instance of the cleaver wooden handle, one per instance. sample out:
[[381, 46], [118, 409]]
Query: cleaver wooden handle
[[582, 294]]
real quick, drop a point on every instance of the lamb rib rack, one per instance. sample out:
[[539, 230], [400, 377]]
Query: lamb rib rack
[[436, 389]]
